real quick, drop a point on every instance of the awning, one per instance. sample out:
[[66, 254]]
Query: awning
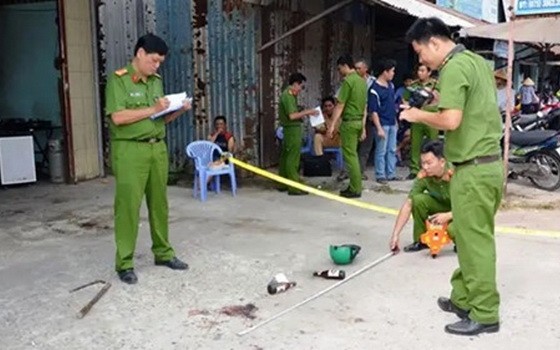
[[422, 8], [415, 8], [542, 30]]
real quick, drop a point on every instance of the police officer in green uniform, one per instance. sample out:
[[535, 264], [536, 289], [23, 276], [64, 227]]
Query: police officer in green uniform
[[291, 122], [428, 199], [468, 112], [139, 154], [351, 106], [419, 131]]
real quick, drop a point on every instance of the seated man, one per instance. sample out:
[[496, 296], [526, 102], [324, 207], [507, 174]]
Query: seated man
[[320, 140], [223, 138], [428, 199]]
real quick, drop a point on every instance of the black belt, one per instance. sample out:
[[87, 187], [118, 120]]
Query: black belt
[[150, 140], [479, 160]]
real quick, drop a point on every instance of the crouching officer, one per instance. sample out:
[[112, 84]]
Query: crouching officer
[[428, 199], [139, 154]]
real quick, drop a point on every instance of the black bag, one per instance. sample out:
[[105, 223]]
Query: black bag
[[316, 166]]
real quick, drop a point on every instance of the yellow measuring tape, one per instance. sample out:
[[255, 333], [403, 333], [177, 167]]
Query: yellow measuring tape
[[373, 207]]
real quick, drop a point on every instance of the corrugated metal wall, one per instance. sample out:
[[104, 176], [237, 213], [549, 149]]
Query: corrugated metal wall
[[312, 51], [231, 78], [212, 56], [173, 23]]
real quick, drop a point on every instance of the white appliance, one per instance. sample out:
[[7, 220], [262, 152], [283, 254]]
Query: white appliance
[[17, 160]]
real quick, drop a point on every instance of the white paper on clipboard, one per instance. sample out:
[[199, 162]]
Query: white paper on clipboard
[[175, 103], [316, 120]]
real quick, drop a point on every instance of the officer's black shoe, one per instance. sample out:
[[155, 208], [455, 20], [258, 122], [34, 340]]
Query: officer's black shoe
[[298, 193], [128, 276], [415, 247], [447, 305], [470, 327], [411, 176], [174, 264], [349, 194]]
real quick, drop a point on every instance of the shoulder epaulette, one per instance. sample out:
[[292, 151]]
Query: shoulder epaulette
[[121, 72]]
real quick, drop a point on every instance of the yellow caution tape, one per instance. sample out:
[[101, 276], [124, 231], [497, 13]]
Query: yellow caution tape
[[373, 207]]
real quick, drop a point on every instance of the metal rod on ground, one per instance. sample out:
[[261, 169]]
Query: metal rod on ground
[[95, 299], [318, 294]]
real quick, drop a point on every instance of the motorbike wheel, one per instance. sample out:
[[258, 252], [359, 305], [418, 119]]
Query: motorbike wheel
[[549, 163]]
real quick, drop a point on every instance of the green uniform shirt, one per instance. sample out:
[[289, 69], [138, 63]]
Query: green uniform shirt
[[436, 187], [125, 90], [466, 83], [288, 105], [353, 93]]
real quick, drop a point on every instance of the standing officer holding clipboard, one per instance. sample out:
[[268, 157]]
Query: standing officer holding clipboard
[[139, 154]]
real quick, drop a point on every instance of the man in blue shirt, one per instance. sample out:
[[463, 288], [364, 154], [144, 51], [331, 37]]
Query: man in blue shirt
[[381, 109]]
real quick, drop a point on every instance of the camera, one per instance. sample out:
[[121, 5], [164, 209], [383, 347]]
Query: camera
[[419, 97]]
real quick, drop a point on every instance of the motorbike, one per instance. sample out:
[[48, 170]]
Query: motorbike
[[546, 118], [535, 155]]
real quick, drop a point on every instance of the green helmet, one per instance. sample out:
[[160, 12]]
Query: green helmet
[[344, 254]]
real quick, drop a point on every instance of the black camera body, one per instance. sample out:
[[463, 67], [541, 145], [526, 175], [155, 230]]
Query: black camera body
[[419, 97]]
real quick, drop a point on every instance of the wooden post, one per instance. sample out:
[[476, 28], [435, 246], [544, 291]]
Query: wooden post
[[509, 97]]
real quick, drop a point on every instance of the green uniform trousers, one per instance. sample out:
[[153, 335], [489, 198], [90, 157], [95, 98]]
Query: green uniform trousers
[[291, 154], [476, 192], [140, 168], [350, 133], [417, 133], [424, 205]]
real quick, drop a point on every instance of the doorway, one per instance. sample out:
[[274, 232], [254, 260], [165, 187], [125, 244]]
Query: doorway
[[31, 79]]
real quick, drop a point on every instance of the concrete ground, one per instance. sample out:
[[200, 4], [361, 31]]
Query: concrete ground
[[54, 238]]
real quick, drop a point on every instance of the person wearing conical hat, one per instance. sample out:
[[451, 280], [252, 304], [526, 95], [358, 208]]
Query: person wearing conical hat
[[529, 99], [501, 85], [528, 82]]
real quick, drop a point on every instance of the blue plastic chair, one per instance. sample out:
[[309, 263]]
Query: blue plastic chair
[[307, 145], [202, 152]]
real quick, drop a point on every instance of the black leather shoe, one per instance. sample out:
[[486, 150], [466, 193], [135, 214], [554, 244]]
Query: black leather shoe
[[298, 193], [411, 176], [128, 276], [382, 181], [470, 327], [447, 305], [415, 247], [349, 194], [174, 264]]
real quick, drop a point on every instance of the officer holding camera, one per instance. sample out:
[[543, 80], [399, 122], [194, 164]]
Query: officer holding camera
[[468, 112]]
